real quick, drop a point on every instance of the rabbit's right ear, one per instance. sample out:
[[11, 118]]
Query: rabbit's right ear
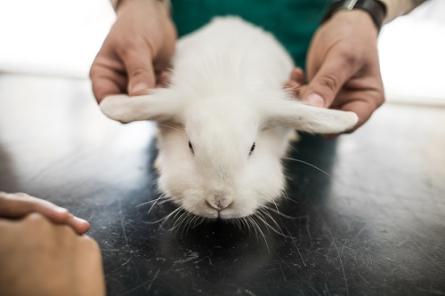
[[161, 105], [307, 118]]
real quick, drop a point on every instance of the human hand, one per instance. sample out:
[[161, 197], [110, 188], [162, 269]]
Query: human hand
[[40, 258], [342, 66], [18, 205], [137, 49]]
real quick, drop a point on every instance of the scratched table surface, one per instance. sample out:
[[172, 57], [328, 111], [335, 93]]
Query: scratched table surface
[[369, 221]]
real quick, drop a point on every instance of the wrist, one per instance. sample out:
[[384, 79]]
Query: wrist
[[355, 19], [120, 4], [153, 8], [375, 9]]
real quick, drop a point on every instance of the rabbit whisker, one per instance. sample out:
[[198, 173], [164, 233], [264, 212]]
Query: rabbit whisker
[[166, 217], [260, 231], [263, 220], [308, 164]]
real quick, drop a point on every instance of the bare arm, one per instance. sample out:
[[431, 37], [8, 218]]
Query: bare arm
[[397, 8]]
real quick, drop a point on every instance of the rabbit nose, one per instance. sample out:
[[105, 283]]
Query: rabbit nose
[[219, 202]]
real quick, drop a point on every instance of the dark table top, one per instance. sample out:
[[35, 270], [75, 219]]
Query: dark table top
[[374, 225]]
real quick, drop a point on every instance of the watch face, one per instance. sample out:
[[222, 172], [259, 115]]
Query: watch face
[[349, 4]]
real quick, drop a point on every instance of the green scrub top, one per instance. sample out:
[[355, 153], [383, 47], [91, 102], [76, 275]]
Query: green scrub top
[[293, 22]]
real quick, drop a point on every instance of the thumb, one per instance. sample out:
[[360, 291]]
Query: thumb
[[328, 81], [139, 66]]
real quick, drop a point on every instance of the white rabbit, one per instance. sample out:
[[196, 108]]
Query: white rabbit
[[225, 120]]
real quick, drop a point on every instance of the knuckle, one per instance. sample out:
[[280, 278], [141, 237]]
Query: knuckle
[[37, 220], [94, 70], [379, 96], [23, 196], [6, 204], [26, 200], [329, 81], [380, 100], [137, 72], [349, 58], [3, 197]]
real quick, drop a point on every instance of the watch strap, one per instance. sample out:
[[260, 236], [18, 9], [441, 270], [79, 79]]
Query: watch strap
[[375, 8]]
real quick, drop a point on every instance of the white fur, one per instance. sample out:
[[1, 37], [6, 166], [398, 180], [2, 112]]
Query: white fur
[[226, 93]]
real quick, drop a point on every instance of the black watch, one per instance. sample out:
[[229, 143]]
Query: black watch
[[375, 8]]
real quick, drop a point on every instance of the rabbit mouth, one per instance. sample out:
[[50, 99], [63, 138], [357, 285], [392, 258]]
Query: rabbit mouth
[[210, 213]]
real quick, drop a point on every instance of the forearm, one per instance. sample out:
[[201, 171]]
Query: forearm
[[397, 8]]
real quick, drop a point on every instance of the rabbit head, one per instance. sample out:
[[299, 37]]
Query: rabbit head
[[220, 156]]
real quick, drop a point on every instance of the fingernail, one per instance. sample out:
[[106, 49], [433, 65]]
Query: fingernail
[[61, 210], [297, 73], [140, 88], [315, 100], [82, 221]]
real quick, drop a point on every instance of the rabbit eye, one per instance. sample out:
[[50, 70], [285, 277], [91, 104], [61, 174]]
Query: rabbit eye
[[252, 148], [191, 147]]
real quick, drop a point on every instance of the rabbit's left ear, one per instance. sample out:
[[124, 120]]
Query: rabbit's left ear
[[308, 118], [161, 105]]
